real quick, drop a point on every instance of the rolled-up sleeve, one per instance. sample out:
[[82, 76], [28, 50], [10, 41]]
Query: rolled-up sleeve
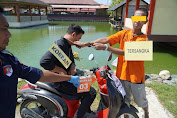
[[115, 38]]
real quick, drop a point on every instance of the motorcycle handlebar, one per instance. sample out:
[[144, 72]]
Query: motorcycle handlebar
[[93, 69]]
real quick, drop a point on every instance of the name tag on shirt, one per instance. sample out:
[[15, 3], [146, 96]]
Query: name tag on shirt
[[139, 51], [60, 55]]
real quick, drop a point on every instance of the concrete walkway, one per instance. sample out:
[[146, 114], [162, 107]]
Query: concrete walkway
[[156, 109]]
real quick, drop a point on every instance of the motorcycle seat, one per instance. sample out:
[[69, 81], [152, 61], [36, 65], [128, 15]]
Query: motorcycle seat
[[49, 86]]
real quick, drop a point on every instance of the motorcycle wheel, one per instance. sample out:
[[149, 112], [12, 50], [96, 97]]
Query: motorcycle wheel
[[128, 115], [36, 108]]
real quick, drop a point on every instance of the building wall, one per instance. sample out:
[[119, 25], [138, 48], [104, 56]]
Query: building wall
[[25, 18], [101, 12], [165, 18], [35, 18], [27, 24], [43, 17], [11, 18], [25, 21]]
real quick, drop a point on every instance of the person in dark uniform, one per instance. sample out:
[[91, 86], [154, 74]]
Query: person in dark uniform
[[11, 69], [50, 62]]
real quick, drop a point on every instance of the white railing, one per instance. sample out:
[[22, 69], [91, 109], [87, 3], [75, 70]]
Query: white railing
[[116, 23]]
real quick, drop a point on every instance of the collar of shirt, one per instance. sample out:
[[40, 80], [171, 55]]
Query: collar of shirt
[[66, 41], [6, 52]]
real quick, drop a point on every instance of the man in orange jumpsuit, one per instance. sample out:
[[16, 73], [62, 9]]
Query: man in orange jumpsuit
[[131, 73]]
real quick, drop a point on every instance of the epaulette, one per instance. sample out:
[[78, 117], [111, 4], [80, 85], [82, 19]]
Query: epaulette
[[7, 52]]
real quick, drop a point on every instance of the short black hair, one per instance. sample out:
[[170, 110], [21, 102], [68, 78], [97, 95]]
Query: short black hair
[[1, 10], [144, 10], [75, 28]]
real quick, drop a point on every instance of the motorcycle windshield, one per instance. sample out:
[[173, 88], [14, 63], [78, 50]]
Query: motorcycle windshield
[[110, 95], [115, 98]]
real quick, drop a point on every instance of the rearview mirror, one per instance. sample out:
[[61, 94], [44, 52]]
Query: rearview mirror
[[91, 57]]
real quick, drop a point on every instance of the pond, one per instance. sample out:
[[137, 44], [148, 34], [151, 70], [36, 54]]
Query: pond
[[30, 44]]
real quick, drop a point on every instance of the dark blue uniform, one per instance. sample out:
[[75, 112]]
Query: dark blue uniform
[[10, 70]]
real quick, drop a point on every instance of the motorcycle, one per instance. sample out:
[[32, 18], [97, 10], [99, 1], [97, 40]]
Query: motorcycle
[[42, 100]]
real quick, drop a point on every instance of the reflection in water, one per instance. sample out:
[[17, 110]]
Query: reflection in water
[[31, 43]]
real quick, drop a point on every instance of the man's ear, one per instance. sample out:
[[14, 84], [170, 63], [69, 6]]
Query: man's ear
[[73, 34]]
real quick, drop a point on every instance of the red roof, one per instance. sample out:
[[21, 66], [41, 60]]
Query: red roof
[[38, 2], [76, 10], [68, 2], [81, 6]]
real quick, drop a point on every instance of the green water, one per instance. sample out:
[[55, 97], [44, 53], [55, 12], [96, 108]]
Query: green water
[[31, 43], [164, 58]]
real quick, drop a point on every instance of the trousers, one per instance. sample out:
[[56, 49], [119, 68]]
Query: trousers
[[87, 98]]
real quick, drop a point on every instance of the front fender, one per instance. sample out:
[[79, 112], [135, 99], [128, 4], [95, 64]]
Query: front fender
[[41, 93], [126, 109]]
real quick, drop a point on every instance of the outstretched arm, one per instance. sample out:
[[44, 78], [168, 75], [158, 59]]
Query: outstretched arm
[[99, 46], [33, 75], [103, 40], [48, 76], [115, 50]]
